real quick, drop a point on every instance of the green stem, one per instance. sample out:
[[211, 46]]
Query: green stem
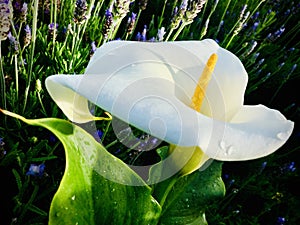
[[222, 18], [42, 105], [54, 31], [162, 15], [178, 31], [33, 39], [2, 81], [17, 77], [169, 34]]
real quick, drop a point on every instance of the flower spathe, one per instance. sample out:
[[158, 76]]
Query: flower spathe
[[150, 85]]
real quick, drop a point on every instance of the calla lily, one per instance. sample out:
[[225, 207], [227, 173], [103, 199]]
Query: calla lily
[[150, 86]]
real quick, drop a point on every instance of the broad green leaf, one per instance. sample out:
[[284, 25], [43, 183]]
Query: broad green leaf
[[93, 189], [189, 196]]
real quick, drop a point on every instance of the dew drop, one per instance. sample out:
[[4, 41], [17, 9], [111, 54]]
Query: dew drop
[[229, 150], [186, 199], [112, 190], [222, 145], [282, 136], [73, 197]]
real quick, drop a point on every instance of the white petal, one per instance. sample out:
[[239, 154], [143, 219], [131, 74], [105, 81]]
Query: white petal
[[254, 132]]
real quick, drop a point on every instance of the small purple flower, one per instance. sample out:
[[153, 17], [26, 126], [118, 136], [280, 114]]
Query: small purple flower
[[226, 176], [281, 220], [138, 36], [255, 25], [52, 138], [288, 168], [98, 134], [36, 170]]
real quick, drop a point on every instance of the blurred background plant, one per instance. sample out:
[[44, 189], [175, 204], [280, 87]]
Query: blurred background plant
[[41, 38]]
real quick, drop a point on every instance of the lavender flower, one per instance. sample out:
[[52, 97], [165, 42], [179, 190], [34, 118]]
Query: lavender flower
[[143, 35], [131, 23], [178, 14], [6, 14], [2, 150], [23, 12], [120, 9], [160, 34], [108, 25], [143, 4], [80, 11], [51, 28], [242, 20], [192, 11], [93, 49], [14, 44], [27, 37], [36, 170], [138, 36]]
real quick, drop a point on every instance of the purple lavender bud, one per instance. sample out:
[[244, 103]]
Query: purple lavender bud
[[293, 68], [255, 16], [108, 24], [243, 11], [93, 47], [255, 25], [138, 36], [6, 14], [143, 35], [14, 44], [23, 13]]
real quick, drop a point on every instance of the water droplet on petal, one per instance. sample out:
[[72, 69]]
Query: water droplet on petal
[[222, 145], [282, 136], [229, 150]]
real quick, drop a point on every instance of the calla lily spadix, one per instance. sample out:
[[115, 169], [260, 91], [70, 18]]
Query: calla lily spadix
[[151, 86]]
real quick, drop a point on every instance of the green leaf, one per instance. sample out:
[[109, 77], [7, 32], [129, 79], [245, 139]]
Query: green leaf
[[189, 196], [93, 189]]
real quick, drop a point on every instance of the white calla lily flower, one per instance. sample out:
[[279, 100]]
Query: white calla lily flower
[[150, 86]]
